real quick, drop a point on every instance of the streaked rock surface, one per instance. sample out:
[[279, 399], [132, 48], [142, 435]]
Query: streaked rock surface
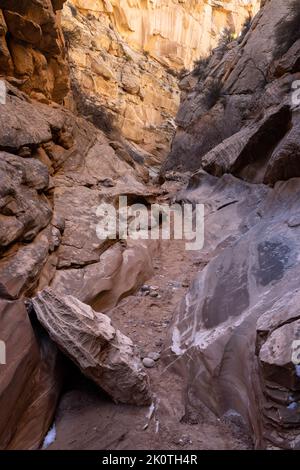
[[103, 353]]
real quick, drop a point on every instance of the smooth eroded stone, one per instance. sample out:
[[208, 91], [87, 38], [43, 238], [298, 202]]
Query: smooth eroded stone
[[148, 362]]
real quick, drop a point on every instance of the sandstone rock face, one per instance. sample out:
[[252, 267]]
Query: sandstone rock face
[[136, 93], [57, 214], [29, 383], [125, 57], [103, 353], [172, 31], [237, 114], [235, 336], [32, 48]]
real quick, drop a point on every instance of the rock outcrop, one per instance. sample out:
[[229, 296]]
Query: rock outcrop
[[235, 336], [230, 332], [32, 53], [236, 333], [238, 113], [57, 171], [102, 353]]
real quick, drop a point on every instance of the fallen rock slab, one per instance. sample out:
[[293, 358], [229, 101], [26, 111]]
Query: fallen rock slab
[[102, 353]]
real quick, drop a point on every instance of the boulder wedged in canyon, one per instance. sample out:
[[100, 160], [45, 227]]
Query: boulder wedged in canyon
[[102, 353], [29, 383], [235, 337]]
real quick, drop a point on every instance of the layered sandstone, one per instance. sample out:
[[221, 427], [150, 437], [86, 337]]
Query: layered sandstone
[[233, 334], [55, 172], [30, 382], [32, 51], [125, 57], [174, 32], [237, 113]]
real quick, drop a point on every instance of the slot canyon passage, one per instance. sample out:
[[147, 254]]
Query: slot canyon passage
[[112, 343]]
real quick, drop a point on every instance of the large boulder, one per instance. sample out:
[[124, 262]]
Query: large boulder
[[101, 352]]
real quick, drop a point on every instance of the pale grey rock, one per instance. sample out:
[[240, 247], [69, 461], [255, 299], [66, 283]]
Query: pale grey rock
[[148, 362], [155, 356], [101, 352]]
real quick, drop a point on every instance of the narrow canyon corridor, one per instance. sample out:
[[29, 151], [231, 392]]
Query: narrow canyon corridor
[[87, 420], [112, 339]]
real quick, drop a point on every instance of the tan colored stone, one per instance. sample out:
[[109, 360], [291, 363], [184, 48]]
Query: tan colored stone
[[35, 47], [101, 69], [174, 32], [140, 45], [23, 28], [130, 83]]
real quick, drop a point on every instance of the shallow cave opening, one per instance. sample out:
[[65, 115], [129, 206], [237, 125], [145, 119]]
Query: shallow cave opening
[[136, 199], [75, 380]]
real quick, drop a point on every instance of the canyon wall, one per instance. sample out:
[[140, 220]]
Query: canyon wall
[[55, 169], [126, 56], [175, 32], [237, 330], [139, 97], [232, 335], [237, 113]]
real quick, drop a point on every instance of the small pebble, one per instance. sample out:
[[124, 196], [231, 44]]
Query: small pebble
[[294, 221], [145, 288], [148, 362], [154, 356], [153, 294], [107, 183]]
